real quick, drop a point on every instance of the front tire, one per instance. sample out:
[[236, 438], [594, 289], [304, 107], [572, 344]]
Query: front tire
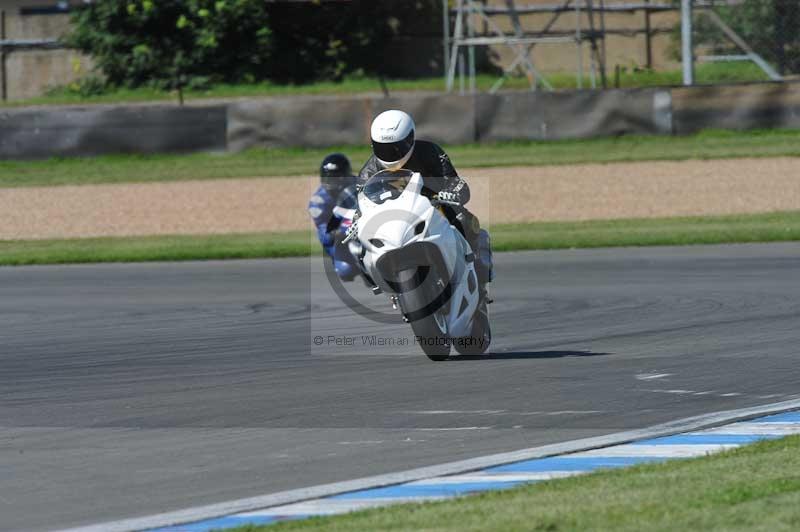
[[431, 333], [430, 329], [424, 312], [480, 337]]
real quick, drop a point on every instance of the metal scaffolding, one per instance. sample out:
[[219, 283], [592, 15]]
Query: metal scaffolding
[[9, 45], [588, 20], [460, 48], [688, 48]]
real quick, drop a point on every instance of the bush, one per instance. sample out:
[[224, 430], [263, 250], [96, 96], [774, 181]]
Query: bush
[[325, 41], [175, 43], [194, 43]]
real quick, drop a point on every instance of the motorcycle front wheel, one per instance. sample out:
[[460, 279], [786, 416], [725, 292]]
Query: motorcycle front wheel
[[479, 339], [431, 333], [427, 320]]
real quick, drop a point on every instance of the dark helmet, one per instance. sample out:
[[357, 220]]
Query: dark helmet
[[334, 168]]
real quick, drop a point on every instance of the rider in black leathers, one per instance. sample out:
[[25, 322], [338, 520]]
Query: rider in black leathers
[[442, 179]]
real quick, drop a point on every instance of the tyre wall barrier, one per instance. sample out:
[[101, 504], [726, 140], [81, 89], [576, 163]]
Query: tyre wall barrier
[[763, 106], [579, 114], [451, 119], [330, 121], [58, 132], [340, 121]]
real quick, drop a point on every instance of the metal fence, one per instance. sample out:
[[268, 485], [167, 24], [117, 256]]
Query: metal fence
[[765, 33], [32, 57], [722, 41], [587, 38]]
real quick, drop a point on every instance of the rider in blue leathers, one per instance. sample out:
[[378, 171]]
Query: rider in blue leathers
[[336, 176]]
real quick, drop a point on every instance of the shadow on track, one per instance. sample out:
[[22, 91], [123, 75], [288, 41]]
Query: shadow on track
[[522, 355]]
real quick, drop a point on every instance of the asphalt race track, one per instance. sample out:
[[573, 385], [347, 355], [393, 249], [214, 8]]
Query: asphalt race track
[[127, 390]]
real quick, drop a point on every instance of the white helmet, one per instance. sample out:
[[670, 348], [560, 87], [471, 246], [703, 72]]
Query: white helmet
[[392, 138]]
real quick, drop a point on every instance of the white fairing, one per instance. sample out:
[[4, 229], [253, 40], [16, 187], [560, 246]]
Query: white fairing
[[395, 223]]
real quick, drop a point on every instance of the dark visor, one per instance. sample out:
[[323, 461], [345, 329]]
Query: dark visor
[[393, 151]]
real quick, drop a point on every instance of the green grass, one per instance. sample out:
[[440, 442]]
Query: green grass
[[630, 77], [756, 487], [775, 227], [705, 73], [155, 248], [713, 144]]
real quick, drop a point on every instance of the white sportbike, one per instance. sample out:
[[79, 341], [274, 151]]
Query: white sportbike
[[411, 252]]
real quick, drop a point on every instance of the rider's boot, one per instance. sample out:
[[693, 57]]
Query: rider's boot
[[483, 264], [481, 244]]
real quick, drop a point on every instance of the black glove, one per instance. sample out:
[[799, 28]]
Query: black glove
[[449, 198]]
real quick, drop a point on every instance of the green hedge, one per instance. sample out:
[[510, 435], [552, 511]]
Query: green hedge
[[194, 43]]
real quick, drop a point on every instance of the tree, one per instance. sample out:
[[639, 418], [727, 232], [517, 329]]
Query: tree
[[327, 40], [175, 43]]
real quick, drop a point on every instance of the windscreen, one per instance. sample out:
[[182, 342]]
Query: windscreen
[[386, 185]]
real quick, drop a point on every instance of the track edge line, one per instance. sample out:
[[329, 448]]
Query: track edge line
[[260, 502]]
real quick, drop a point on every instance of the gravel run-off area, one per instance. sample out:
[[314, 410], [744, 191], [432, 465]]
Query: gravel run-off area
[[499, 195]]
